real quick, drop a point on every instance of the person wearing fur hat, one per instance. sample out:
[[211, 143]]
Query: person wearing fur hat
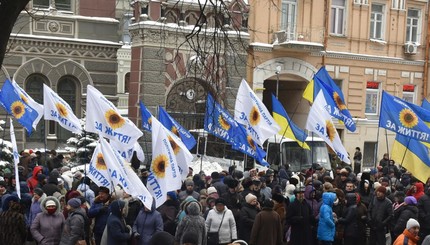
[[247, 216], [220, 219], [410, 234], [99, 210], [12, 222], [379, 215], [47, 226], [74, 227], [189, 191], [192, 222]]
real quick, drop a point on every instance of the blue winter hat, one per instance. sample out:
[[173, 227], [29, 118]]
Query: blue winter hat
[[410, 200], [172, 195], [74, 203]]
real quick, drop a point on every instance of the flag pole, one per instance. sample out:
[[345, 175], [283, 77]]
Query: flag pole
[[4, 135], [404, 154], [44, 141]]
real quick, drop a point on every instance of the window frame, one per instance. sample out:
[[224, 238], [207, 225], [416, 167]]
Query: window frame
[[375, 92], [373, 22], [398, 4], [406, 89], [34, 92], [409, 37], [334, 22], [288, 21], [361, 2], [60, 131]]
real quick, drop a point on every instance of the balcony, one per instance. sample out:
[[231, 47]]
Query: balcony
[[285, 40], [123, 104]]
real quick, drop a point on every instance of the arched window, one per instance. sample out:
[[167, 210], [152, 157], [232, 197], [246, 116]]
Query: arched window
[[127, 82], [34, 87], [67, 90]]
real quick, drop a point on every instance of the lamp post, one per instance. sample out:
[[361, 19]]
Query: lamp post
[[278, 70]]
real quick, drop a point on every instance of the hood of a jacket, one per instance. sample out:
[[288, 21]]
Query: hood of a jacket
[[328, 198], [43, 203], [116, 207], [193, 208], [36, 170]]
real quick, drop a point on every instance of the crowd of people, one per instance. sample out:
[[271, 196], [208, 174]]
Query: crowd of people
[[383, 205]]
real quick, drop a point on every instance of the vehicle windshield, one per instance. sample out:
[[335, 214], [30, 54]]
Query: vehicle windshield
[[299, 158]]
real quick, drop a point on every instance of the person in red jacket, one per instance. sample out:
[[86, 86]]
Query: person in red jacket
[[32, 181]]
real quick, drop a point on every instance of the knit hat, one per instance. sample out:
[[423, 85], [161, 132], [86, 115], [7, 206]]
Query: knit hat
[[382, 189], [249, 198], [410, 200], [38, 191], [278, 198], [215, 175], [189, 182], [220, 200], [412, 223], [211, 190], [104, 189], [50, 203], [74, 203]]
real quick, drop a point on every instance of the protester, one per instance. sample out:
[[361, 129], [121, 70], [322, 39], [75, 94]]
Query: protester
[[192, 223], [118, 233], [48, 225], [148, 222], [99, 211], [220, 220], [380, 213], [248, 213], [267, 228], [410, 234], [326, 226], [12, 222], [74, 227]]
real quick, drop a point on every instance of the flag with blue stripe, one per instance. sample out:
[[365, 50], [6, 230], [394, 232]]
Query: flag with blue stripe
[[172, 125]]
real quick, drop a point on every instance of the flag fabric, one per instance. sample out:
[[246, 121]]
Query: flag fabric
[[319, 121], [425, 104], [413, 155], [172, 125], [108, 163], [104, 118], [164, 172], [127, 153], [182, 154], [253, 114], [333, 94], [288, 128], [221, 124], [146, 117], [15, 158], [404, 118], [15, 105], [30, 102], [56, 109]]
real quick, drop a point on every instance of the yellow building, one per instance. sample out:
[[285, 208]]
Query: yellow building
[[367, 46]]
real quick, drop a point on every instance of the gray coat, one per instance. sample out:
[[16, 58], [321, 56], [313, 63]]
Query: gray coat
[[46, 228], [74, 228]]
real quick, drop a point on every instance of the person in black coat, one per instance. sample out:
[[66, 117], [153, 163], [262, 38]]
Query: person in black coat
[[350, 221], [247, 216], [403, 213], [380, 214], [118, 232], [424, 214], [299, 217]]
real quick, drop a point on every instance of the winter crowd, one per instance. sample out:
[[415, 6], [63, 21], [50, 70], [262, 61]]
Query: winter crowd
[[381, 206]]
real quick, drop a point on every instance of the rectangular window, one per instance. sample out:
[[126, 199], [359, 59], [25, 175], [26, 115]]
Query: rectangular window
[[409, 93], [369, 151], [398, 4], [40, 3], [413, 26], [338, 10], [64, 5], [377, 19], [288, 18], [372, 98], [361, 2]]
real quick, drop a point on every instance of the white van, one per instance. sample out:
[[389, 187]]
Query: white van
[[281, 151]]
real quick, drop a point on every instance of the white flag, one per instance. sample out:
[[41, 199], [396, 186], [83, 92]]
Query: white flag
[[98, 170], [164, 175], [56, 109], [15, 158], [119, 173], [103, 118], [319, 121], [127, 153], [251, 112], [30, 102], [182, 154]]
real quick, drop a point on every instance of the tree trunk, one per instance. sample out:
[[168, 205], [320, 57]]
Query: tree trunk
[[9, 12]]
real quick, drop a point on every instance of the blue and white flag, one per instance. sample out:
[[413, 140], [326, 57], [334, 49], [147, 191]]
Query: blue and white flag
[[127, 153], [104, 118], [14, 104], [56, 109], [146, 117], [172, 125], [182, 154], [164, 172], [319, 121], [30, 102], [15, 158], [253, 114]]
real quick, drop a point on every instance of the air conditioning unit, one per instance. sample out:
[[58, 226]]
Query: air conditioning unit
[[411, 48]]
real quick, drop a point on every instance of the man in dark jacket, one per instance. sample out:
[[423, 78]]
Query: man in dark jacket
[[380, 214], [100, 212], [118, 232], [424, 214]]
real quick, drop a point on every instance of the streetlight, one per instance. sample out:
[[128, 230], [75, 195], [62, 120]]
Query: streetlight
[[278, 70]]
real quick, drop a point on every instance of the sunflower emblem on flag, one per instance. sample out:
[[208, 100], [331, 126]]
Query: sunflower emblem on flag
[[23, 98], [250, 142], [62, 110], [18, 109], [159, 165], [175, 146], [100, 162], [331, 130], [408, 118], [254, 116], [114, 120], [339, 102], [223, 123], [175, 130]]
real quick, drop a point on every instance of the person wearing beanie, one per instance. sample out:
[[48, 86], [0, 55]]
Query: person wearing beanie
[[48, 225], [75, 225], [380, 214], [267, 228], [99, 211], [189, 191], [220, 219], [248, 212], [410, 234], [405, 211], [118, 233], [220, 187], [12, 222], [192, 222]]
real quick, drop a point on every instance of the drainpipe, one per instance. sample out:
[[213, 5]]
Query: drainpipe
[[426, 59], [326, 12]]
